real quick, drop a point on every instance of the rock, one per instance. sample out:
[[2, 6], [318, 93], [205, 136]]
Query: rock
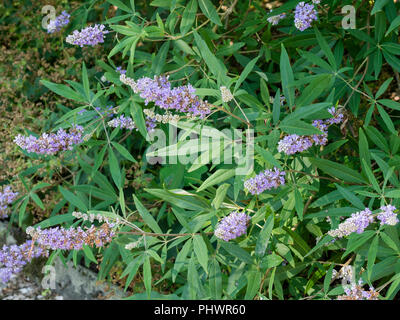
[[81, 283]]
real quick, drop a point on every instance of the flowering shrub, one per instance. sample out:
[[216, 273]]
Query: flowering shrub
[[220, 150]]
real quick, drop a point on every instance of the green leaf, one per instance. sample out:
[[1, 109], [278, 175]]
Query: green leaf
[[22, 211], [390, 104], [114, 168], [363, 147], [89, 254], [370, 175], [193, 279], [85, 80], [217, 177], [55, 220], [287, 77], [357, 240], [264, 236], [299, 127], [253, 284], [383, 88], [147, 275], [181, 259], [120, 5], [377, 138], [146, 216], [378, 6], [249, 67], [137, 115], [73, 199], [276, 108], [216, 66], [386, 119], [63, 90], [392, 60], [200, 249], [328, 279], [337, 170], [220, 195], [325, 48], [180, 198], [237, 252], [314, 89], [209, 11], [373, 249], [393, 194], [215, 280], [271, 261], [350, 196], [37, 200], [125, 153], [299, 203], [394, 25], [188, 16], [159, 61]]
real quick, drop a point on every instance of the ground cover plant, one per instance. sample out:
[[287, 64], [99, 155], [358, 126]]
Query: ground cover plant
[[198, 149]]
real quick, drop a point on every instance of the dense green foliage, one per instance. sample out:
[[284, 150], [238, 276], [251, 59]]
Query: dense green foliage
[[286, 252]]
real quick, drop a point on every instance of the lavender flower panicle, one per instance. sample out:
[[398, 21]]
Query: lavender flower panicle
[[265, 180], [13, 258], [89, 36], [72, 238], [232, 226], [159, 91], [356, 292], [388, 216], [6, 198], [274, 20], [122, 122], [59, 22], [120, 70], [51, 143], [304, 15], [357, 222], [294, 143]]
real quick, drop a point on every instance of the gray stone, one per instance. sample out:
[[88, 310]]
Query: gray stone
[[80, 283]]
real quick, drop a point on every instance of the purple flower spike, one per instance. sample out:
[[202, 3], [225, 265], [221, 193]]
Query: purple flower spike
[[59, 22], [159, 91], [13, 258], [388, 216], [6, 198], [232, 226], [294, 143], [274, 20], [265, 181], [122, 122], [51, 143], [357, 222], [120, 70], [304, 15], [90, 36]]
